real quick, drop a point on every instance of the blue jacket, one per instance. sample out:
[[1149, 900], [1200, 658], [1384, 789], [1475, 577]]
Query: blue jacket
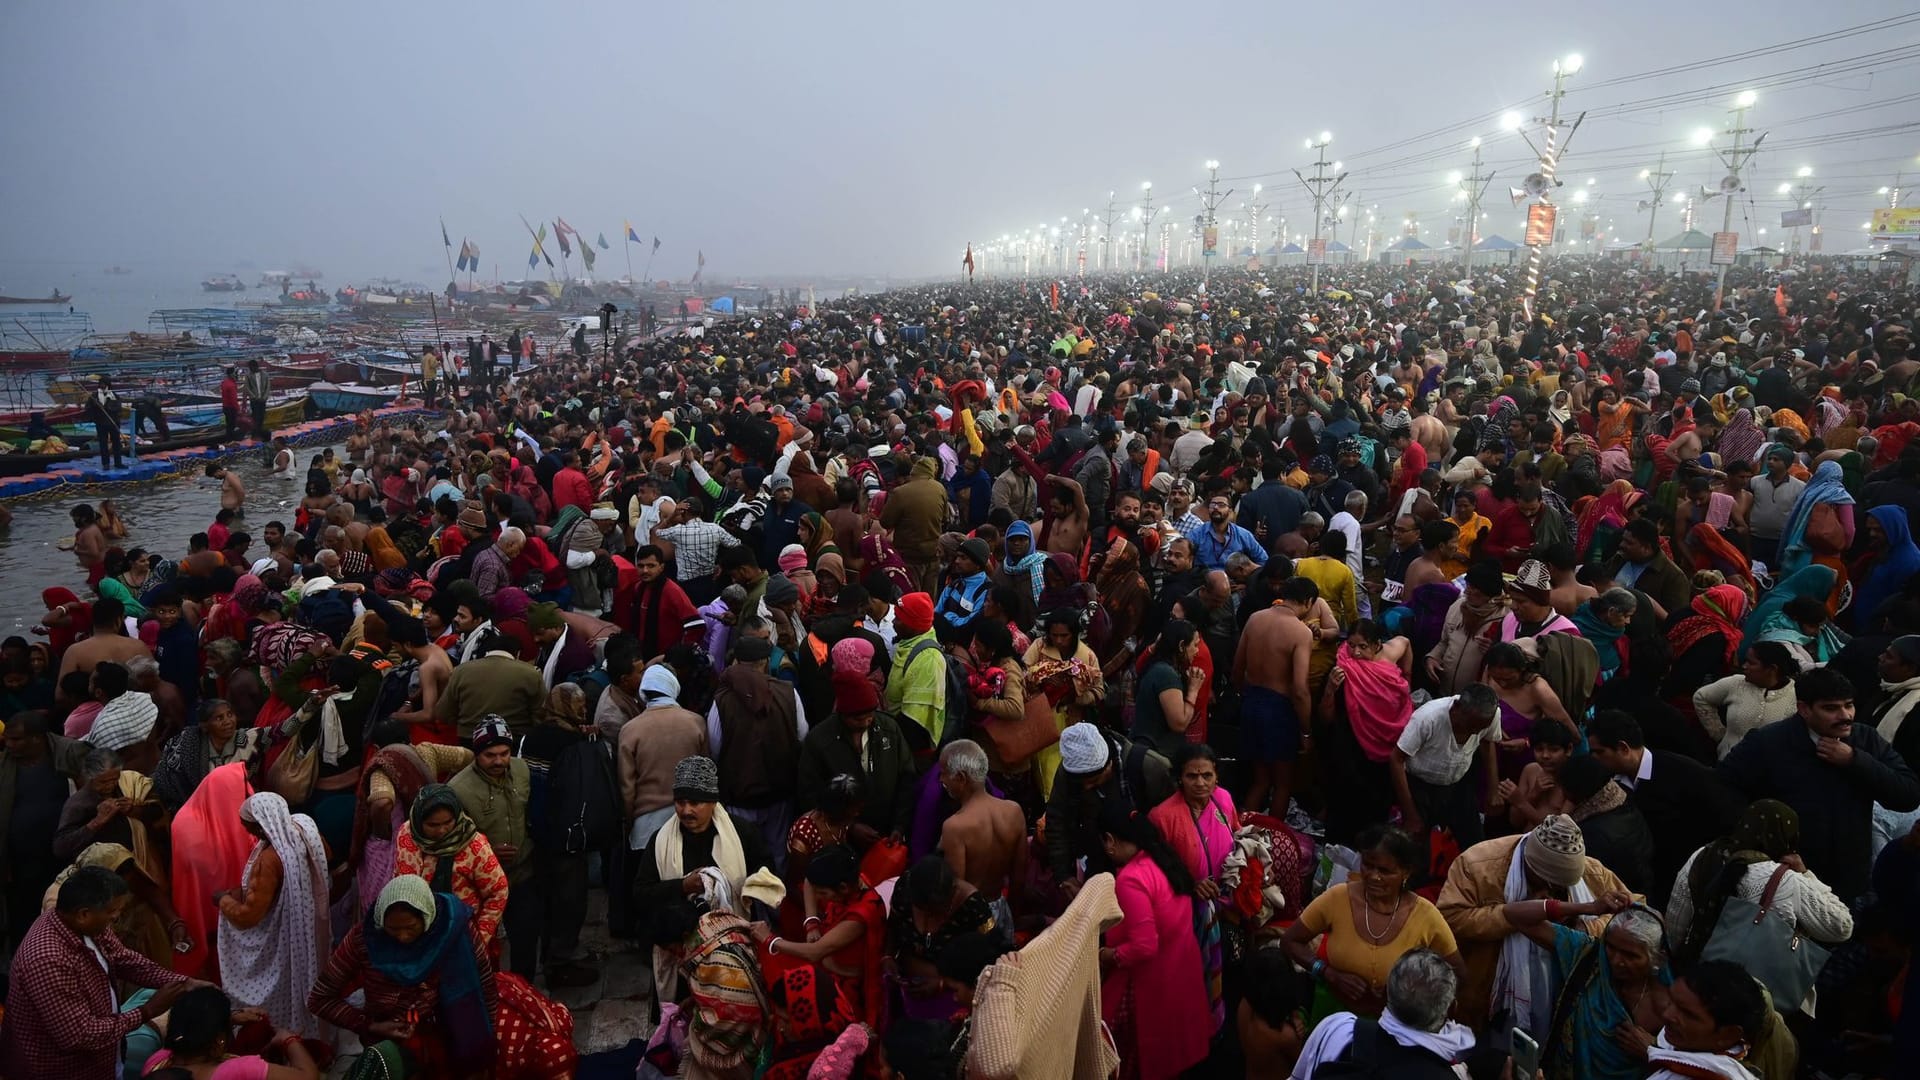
[[959, 603]]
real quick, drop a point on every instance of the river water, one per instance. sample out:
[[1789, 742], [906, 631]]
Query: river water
[[160, 516]]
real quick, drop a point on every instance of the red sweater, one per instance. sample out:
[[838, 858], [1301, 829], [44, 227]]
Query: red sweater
[[570, 488]]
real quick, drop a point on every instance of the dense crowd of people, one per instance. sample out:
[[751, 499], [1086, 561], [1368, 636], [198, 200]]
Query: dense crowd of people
[[1168, 637]]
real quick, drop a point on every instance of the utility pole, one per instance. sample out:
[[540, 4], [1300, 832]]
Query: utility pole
[[1255, 208], [1803, 195], [1475, 186], [1893, 193], [1541, 184], [1146, 222], [1656, 178], [1733, 159], [1209, 226], [1106, 236], [1321, 186]]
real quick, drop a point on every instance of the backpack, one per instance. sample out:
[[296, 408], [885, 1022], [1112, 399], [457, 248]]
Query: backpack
[[956, 711], [1373, 1053], [396, 686], [584, 808]]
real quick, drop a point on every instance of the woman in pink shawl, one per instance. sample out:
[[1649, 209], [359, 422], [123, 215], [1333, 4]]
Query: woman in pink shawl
[[1199, 820], [210, 849], [877, 554], [1373, 675]]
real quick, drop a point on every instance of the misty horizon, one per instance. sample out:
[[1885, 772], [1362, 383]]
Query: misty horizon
[[869, 141]]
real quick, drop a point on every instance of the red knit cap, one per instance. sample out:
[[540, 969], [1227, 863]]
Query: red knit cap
[[915, 613], [854, 693]]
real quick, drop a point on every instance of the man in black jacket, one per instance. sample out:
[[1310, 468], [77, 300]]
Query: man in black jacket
[[1684, 804], [1831, 771]]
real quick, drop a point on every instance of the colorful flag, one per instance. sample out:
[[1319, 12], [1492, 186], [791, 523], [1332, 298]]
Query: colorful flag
[[586, 254], [462, 263], [632, 237], [602, 241], [533, 257], [560, 234], [968, 261], [560, 223], [656, 243]]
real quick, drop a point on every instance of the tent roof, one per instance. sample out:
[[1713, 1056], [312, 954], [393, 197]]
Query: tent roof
[[1337, 247], [1409, 243], [1293, 249], [1495, 242], [1691, 240]]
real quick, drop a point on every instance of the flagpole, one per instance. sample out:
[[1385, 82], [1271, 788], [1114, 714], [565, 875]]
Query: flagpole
[[650, 255], [451, 276], [626, 244]]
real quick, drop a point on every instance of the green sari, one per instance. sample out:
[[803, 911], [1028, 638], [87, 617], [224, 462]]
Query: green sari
[[112, 588]]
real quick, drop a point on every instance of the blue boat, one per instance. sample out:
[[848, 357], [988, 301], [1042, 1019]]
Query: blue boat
[[343, 399]]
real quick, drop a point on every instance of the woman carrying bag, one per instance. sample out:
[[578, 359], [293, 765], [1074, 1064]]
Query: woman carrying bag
[[1749, 893]]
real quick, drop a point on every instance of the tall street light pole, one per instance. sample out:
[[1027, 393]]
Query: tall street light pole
[[1321, 186], [1255, 208], [1146, 221], [1657, 179], [1475, 186], [1540, 185], [1209, 236], [1734, 159]]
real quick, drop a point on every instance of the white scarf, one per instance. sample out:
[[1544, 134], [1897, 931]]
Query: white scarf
[[553, 658], [1891, 720], [471, 643], [272, 965], [1662, 1052], [720, 884], [1523, 981], [669, 847]]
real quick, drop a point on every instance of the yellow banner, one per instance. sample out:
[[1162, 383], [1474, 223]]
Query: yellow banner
[[1892, 222]]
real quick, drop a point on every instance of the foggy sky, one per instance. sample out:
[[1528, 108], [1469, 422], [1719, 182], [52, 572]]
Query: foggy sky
[[850, 136]]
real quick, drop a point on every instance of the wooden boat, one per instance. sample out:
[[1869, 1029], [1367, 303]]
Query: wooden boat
[[56, 298], [344, 399], [18, 464]]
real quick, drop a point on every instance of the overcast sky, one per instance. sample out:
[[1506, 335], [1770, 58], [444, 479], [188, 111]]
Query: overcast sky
[[853, 135]]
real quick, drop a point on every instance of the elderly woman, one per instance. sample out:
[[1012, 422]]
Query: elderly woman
[[273, 928], [114, 806], [196, 751], [429, 992], [440, 843], [1603, 622], [1611, 986], [148, 925]]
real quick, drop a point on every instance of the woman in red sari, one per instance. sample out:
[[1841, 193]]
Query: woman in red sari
[[210, 850], [848, 941]]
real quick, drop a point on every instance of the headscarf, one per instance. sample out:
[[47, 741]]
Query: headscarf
[[1828, 486], [1716, 611], [1900, 562], [822, 542], [1767, 831], [1121, 587], [382, 551], [1070, 592], [432, 799], [272, 964], [566, 708], [1028, 564], [1769, 621], [879, 555], [1790, 420], [444, 948], [1601, 634], [249, 595], [511, 603], [1610, 509], [1741, 439], [1719, 551]]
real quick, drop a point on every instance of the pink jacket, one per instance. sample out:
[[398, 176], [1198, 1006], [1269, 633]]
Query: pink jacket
[[1158, 978]]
